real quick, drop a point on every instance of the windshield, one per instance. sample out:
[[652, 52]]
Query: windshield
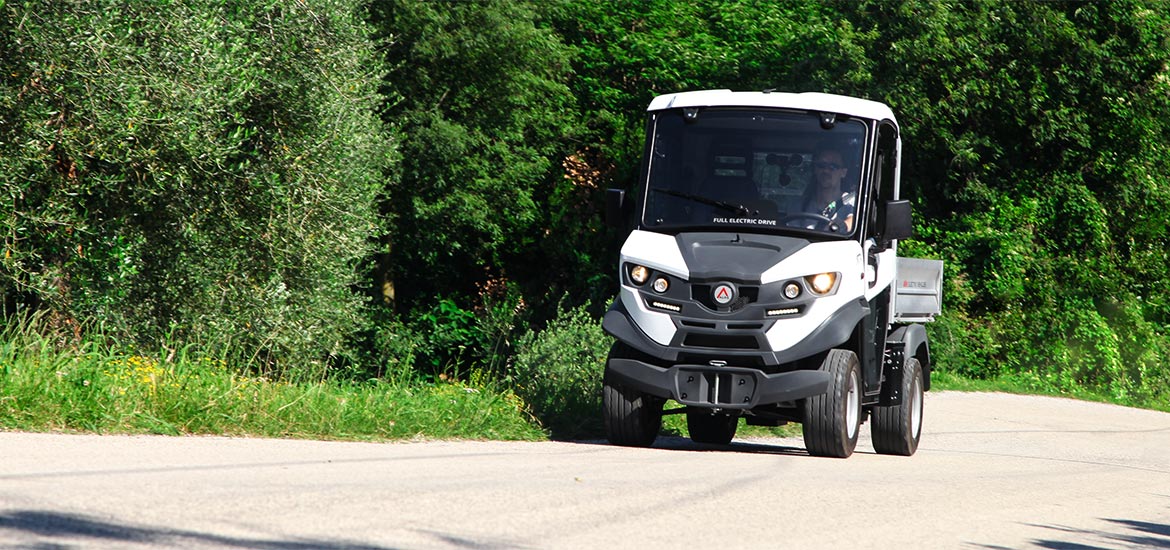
[[757, 169]]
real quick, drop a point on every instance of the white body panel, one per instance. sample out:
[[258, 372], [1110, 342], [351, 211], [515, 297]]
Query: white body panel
[[658, 326], [656, 251], [845, 257], [841, 256], [810, 101], [887, 266]]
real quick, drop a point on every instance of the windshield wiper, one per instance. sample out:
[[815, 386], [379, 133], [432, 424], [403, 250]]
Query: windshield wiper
[[732, 207]]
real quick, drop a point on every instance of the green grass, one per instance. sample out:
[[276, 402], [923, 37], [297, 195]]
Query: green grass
[[95, 387], [1031, 384]]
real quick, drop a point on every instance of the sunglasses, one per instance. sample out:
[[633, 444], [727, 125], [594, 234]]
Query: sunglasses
[[827, 166]]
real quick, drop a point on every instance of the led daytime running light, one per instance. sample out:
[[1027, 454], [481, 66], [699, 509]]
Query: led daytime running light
[[783, 311], [666, 306]]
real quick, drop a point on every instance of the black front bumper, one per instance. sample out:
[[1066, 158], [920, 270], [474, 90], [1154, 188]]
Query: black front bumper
[[723, 387]]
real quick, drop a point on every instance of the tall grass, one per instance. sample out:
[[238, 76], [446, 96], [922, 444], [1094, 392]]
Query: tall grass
[[56, 383], [96, 386]]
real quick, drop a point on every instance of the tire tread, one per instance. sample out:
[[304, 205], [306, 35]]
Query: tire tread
[[632, 419], [824, 414], [891, 426]]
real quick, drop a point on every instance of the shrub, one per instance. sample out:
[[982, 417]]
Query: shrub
[[558, 371]]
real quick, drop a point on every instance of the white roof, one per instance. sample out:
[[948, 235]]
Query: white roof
[[808, 101]]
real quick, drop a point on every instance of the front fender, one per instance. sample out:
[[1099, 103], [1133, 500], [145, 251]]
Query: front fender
[[913, 340]]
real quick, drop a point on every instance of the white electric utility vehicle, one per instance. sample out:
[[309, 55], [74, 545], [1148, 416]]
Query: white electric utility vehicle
[[761, 277]]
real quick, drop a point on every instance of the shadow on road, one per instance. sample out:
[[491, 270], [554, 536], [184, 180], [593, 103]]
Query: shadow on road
[[1129, 533], [58, 530], [676, 443]]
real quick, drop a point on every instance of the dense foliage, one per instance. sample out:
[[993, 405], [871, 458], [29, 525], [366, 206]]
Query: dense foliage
[[1037, 153], [482, 106], [414, 188], [206, 172]]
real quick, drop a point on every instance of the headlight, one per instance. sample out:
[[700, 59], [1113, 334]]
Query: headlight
[[791, 291], [821, 283], [661, 284], [639, 274]]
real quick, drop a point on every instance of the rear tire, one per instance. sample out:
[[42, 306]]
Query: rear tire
[[896, 429], [712, 429], [632, 418], [832, 420]]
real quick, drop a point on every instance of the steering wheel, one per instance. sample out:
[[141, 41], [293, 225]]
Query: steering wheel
[[820, 219]]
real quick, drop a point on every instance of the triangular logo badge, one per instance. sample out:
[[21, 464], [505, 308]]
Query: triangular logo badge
[[724, 294]]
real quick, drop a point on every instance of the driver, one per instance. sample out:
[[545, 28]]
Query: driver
[[826, 195]]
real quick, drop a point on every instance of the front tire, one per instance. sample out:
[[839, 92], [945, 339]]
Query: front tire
[[896, 429], [712, 429], [632, 418], [832, 420]]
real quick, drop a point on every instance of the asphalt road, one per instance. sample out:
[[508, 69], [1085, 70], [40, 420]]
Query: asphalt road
[[993, 471]]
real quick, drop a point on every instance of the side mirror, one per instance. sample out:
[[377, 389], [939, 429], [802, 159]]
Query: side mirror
[[615, 207], [898, 224]]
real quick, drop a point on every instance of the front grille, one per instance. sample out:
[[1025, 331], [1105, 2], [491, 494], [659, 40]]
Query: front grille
[[721, 341]]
